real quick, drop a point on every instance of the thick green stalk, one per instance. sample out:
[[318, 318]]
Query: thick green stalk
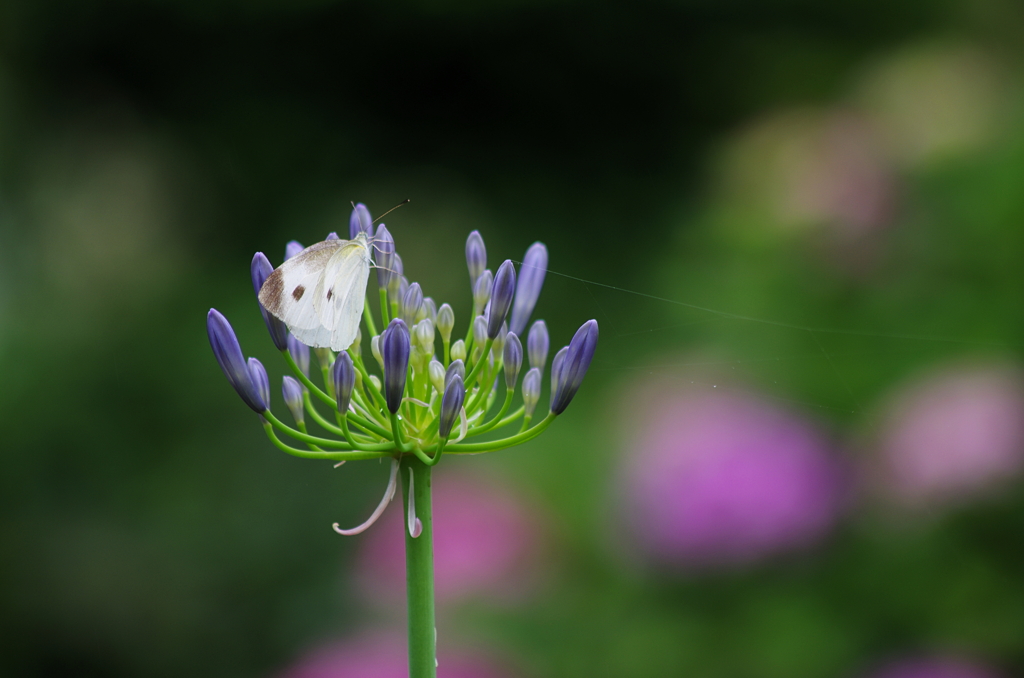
[[419, 571]]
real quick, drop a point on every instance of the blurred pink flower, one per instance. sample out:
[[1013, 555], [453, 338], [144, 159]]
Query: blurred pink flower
[[953, 433], [934, 668], [725, 479], [487, 542], [384, 656]]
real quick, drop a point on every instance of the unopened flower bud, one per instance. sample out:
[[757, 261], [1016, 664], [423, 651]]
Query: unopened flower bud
[[476, 256], [457, 367], [436, 372], [395, 279], [445, 322], [428, 310], [425, 335], [343, 376], [292, 248], [537, 344], [513, 357], [458, 350], [395, 351], [332, 236], [260, 379], [291, 390], [375, 350], [531, 390], [299, 353], [531, 280], [260, 270], [324, 356], [502, 291], [479, 330], [360, 222], [556, 367], [384, 255], [229, 356], [411, 303], [451, 404], [482, 291], [574, 368], [375, 380]]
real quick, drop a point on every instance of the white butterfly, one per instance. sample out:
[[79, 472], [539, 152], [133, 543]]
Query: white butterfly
[[319, 293]]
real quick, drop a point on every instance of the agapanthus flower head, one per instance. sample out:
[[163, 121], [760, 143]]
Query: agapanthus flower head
[[451, 404], [953, 433], [411, 304], [574, 367], [723, 478], [531, 280]]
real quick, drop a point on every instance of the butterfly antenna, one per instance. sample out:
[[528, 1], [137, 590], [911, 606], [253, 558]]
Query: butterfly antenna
[[390, 210]]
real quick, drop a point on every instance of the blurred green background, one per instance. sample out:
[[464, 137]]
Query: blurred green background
[[850, 166]]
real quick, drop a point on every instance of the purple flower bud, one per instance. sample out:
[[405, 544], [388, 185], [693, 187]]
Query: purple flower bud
[[531, 280], [482, 291], [476, 256], [537, 344], [299, 353], [556, 368], [384, 255], [360, 222], [403, 289], [498, 344], [502, 291], [260, 270], [574, 368], [343, 375], [260, 380], [411, 303], [445, 322], [531, 390], [513, 359], [394, 348], [457, 367], [451, 404], [292, 248], [332, 236], [480, 330], [229, 356], [291, 389]]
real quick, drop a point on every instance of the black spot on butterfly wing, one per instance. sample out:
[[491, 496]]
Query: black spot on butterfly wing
[[330, 293], [298, 292]]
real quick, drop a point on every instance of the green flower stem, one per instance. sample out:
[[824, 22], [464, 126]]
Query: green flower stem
[[479, 363], [356, 444], [301, 425], [490, 446], [368, 318], [526, 423], [419, 571], [323, 442], [384, 315], [377, 397], [356, 419], [484, 428], [313, 388], [310, 454], [510, 418], [396, 430], [447, 351]]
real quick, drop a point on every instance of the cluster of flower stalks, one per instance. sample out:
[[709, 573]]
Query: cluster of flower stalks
[[437, 390]]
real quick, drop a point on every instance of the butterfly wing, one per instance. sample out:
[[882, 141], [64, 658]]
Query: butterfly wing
[[342, 292], [288, 292]]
